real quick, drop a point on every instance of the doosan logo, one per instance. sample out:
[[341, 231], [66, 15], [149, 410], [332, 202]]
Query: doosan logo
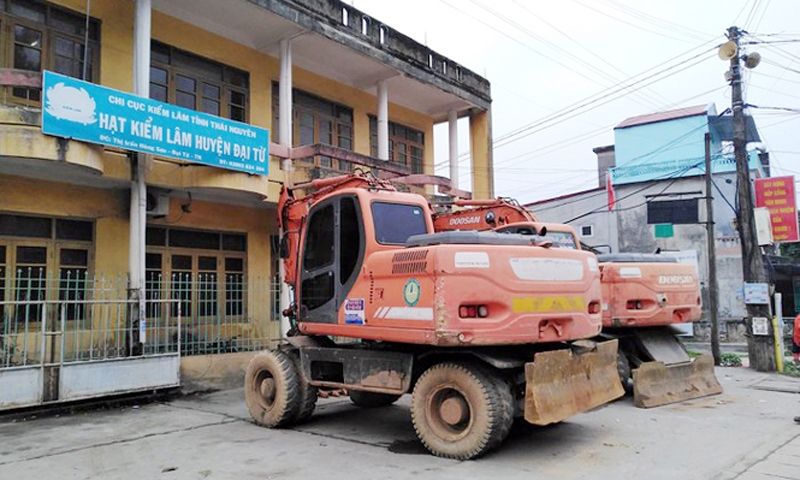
[[675, 279], [465, 220]]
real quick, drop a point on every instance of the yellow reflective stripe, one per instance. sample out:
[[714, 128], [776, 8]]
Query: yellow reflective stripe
[[547, 304]]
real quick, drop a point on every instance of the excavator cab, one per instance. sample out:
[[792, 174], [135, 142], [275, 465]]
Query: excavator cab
[[334, 248], [341, 230]]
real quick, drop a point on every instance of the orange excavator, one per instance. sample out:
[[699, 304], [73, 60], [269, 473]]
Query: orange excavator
[[479, 327], [644, 295]]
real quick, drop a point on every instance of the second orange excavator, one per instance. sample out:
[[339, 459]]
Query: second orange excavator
[[644, 296]]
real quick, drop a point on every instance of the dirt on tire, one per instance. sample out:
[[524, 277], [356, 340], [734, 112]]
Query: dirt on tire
[[461, 410], [272, 389]]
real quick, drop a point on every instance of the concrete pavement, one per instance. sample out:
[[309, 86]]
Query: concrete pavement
[[747, 433], [783, 463]]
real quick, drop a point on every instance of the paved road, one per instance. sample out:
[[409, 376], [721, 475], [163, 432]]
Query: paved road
[[747, 433]]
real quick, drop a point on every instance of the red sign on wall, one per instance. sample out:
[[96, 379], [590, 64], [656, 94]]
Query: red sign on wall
[[777, 194]]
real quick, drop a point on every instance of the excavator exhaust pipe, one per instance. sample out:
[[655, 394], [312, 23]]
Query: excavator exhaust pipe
[[656, 384], [562, 383]]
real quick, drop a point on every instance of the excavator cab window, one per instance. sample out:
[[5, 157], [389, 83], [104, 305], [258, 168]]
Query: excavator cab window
[[395, 222], [333, 251], [319, 241], [558, 239], [349, 239]]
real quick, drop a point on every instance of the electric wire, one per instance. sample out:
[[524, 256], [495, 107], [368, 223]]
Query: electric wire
[[516, 40], [654, 20], [636, 161], [751, 14], [675, 177], [786, 109], [570, 111], [563, 114], [755, 12], [582, 47], [722, 195], [542, 151], [776, 64], [626, 22]]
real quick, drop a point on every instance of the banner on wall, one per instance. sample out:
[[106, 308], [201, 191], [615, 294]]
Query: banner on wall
[[92, 113]]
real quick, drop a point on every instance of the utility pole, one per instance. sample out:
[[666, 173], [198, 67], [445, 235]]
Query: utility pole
[[760, 347], [713, 290]]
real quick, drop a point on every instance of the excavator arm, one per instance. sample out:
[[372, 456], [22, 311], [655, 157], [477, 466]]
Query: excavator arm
[[482, 215]]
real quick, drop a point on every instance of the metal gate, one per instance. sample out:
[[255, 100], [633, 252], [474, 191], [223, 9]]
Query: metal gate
[[76, 342]]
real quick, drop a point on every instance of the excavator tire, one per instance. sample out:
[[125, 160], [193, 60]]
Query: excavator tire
[[372, 400], [272, 389], [461, 410], [308, 393]]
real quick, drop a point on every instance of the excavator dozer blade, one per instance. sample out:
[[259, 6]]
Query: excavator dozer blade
[[562, 383], [655, 384]]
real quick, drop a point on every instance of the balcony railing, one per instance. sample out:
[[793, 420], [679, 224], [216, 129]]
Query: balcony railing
[[21, 87]]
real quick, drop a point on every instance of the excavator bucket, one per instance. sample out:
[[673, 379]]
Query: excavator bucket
[[562, 383], [656, 384]]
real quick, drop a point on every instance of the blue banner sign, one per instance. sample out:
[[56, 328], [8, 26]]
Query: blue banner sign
[[97, 114]]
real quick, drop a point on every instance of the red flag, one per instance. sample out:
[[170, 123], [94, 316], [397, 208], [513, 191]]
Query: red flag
[[612, 200]]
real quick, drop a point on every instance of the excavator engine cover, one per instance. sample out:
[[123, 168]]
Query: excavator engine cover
[[656, 384], [562, 383]]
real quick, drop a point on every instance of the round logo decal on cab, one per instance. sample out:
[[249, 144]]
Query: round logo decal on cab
[[411, 292]]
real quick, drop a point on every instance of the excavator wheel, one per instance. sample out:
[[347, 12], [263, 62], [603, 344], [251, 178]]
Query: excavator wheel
[[372, 400], [272, 389], [461, 410], [308, 393]]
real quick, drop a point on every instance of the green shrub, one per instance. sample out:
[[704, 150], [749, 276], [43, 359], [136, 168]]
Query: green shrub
[[730, 360], [791, 369]]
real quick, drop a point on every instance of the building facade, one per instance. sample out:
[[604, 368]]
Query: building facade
[[357, 94]]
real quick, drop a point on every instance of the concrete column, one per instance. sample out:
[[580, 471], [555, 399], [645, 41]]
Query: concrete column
[[285, 98], [453, 130], [480, 133], [141, 48], [383, 121], [138, 209], [285, 129]]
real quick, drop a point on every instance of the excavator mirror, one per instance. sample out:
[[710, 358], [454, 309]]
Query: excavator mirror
[[284, 247], [542, 231], [490, 218]]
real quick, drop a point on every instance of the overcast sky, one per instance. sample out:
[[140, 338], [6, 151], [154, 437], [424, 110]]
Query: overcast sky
[[559, 71]]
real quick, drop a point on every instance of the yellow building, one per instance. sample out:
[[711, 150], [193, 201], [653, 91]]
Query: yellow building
[[358, 92]]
